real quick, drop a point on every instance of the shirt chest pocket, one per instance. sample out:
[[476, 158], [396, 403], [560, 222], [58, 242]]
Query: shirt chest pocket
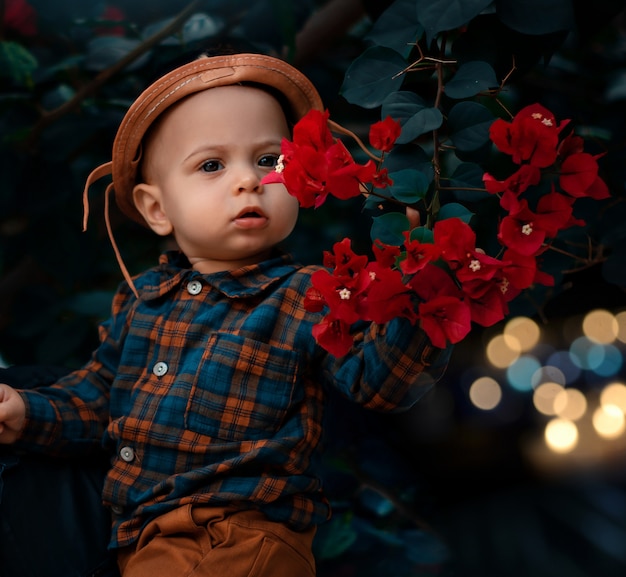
[[243, 389]]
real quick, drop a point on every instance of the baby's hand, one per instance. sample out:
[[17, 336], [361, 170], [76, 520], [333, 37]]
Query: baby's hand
[[12, 414]]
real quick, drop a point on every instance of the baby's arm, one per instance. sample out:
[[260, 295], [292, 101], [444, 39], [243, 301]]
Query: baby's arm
[[12, 414]]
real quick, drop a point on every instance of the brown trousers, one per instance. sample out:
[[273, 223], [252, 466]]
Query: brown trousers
[[196, 541]]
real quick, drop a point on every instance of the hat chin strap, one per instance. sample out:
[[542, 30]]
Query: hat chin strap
[[97, 174]]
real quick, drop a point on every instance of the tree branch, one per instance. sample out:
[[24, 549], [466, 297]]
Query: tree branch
[[104, 76]]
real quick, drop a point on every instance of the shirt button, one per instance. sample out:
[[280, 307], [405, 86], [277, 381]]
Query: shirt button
[[194, 287], [117, 509], [127, 454], [160, 369]]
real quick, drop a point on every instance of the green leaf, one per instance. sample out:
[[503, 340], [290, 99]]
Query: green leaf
[[411, 111], [397, 27], [537, 16], [468, 175], [422, 234], [469, 124], [389, 228], [105, 51], [409, 185], [454, 209], [373, 76], [17, 62], [470, 79], [439, 15], [410, 156]]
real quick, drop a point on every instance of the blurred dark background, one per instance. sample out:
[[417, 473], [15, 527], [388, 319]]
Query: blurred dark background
[[465, 484]]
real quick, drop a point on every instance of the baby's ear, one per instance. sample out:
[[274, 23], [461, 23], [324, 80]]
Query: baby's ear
[[149, 203]]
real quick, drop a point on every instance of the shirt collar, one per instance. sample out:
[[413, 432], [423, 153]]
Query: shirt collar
[[174, 269]]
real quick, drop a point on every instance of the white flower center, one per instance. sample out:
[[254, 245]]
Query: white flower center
[[345, 294], [474, 265], [280, 165], [527, 229]]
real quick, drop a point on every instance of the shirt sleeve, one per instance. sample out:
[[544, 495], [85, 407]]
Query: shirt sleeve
[[70, 416], [390, 367]]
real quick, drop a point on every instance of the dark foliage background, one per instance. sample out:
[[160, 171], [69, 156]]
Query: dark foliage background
[[445, 489]]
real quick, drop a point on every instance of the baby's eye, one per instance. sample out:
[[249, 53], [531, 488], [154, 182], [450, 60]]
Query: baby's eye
[[211, 166], [268, 160]]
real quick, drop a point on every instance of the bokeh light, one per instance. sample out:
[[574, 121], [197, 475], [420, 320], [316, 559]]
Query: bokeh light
[[600, 326], [586, 354], [544, 395], [561, 435], [563, 361], [520, 374], [501, 352], [611, 363], [523, 331], [614, 394], [547, 374], [621, 326], [608, 421], [485, 393], [570, 404]]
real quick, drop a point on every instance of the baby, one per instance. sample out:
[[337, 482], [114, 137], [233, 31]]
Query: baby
[[208, 388]]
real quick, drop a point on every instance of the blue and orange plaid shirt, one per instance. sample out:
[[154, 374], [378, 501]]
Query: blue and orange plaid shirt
[[210, 389]]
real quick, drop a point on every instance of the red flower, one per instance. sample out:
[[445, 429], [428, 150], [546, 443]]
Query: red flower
[[381, 179], [519, 273], [316, 165], [554, 213], [20, 16], [445, 319], [443, 315], [514, 186], [385, 254], [579, 177], [341, 294], [114, 14], [418, 255], [532, 136], [521, 232], [486, 300], [344, 260], [386, 296], [333, 335], [525, 231], [456, 241], [383, 134], [314, 300]]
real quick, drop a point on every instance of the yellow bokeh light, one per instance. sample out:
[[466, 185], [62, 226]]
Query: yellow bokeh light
[[570, 404], [600, 326], [614, 394], [621, 326], [608, 421], [523, 331], [502, 353], [485, 393], [544, 395], [561, 435]]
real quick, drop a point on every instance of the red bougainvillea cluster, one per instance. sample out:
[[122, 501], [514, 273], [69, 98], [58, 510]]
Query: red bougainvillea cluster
[[438, 278]]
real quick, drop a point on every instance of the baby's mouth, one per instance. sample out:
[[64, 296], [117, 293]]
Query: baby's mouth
[[251, 217]]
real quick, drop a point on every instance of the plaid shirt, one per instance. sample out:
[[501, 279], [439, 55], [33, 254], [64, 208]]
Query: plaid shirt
[[211, 388]]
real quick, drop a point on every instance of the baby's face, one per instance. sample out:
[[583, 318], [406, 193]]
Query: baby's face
[[203, 167]]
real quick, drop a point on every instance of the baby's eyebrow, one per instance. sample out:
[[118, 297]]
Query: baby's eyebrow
[[218, 149]]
